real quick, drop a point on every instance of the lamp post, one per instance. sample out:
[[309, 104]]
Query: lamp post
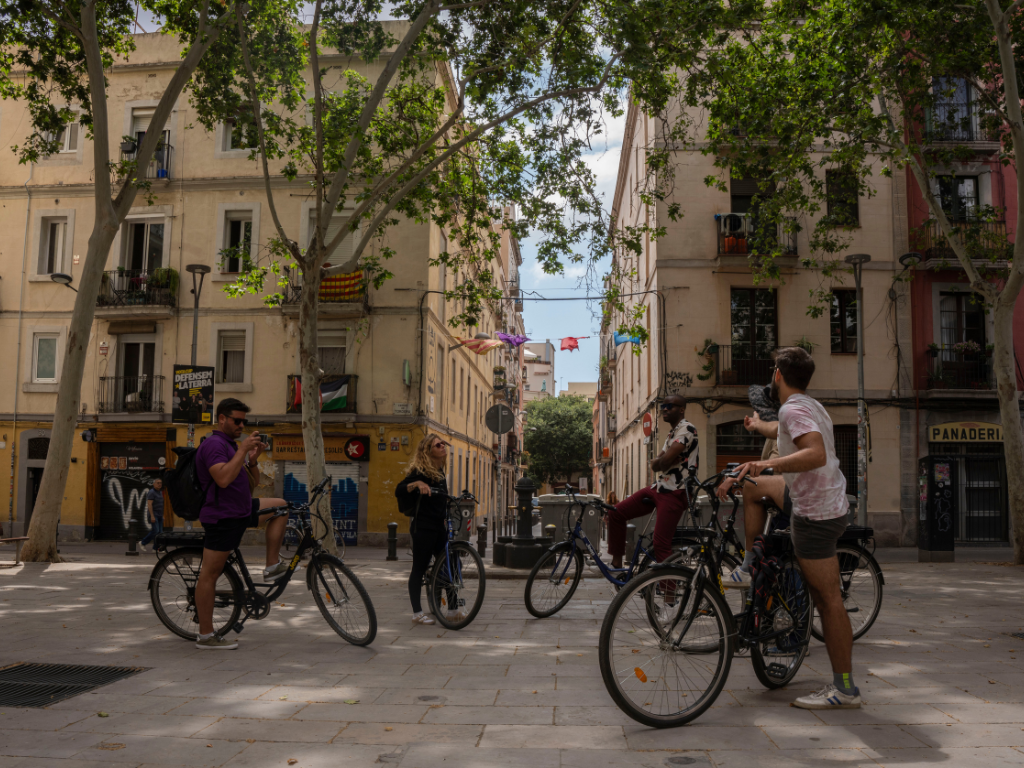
[[857, 260], [61, 278], [202, 270]]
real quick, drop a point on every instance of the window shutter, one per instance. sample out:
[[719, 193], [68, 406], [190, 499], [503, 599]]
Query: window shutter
[[232, 341], [343, 252], [72, 140]]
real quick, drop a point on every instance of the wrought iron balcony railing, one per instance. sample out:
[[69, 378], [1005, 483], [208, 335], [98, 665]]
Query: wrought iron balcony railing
[[131, 394]]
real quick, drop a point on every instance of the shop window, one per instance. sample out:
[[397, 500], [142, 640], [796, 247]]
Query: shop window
[[843, 321]]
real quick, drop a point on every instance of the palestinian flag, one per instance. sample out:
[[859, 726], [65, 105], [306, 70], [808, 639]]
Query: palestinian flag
[[334, 396]]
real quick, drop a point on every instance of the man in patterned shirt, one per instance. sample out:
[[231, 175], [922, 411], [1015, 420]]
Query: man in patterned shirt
[[815, 487], [668, 494]]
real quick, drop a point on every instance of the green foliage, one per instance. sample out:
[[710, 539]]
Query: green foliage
[[558, 437], [707, 355]]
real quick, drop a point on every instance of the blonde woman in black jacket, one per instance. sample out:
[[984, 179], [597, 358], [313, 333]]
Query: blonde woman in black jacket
[[427, 527]]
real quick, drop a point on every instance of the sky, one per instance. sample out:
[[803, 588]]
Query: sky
[[556, 319]]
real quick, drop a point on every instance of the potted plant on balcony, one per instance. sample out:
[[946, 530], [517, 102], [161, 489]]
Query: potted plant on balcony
[[933, 350], [707, 354], [128, 146], [937, 380], [165, 278], [989, 348], [806, 344], [968, 350]]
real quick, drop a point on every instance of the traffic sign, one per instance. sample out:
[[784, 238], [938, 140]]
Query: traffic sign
[[648, 424], [499, 419]]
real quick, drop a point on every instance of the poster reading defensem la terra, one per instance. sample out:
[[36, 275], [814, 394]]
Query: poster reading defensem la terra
[[193, 395]]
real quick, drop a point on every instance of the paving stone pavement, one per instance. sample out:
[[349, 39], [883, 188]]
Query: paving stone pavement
[[941, 675]]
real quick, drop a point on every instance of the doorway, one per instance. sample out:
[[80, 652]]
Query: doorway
[[136, 359]]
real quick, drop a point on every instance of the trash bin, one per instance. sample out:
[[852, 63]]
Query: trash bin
[[553, 507], [467, 511]]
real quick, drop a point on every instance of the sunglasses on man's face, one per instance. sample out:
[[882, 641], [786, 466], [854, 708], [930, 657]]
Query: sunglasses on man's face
[[239, 422], [669, 406]]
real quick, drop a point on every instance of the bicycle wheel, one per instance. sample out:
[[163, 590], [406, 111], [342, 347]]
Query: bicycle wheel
[[553, 581], [666, 675], [172, 588], [685, 552], [342, 599], [861, 583], [787, 609], [457, 584]]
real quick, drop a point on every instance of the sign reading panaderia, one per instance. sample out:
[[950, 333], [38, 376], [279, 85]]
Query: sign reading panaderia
[[965, 432], [192, 395]]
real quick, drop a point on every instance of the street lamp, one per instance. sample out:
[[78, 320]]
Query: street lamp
[[60, 278], [202, 270], [857, 261]]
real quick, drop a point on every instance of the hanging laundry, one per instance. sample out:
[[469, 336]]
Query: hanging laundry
[[572, 342], [621, 338], [480, 346], [513, 341]]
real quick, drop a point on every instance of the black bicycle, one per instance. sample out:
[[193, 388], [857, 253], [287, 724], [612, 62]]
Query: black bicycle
[[456, 582], [555, 577], [861, 578], [668, 638], [338, 593]]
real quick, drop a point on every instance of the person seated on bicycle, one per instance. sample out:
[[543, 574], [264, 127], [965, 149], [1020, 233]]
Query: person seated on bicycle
[[667, 494], [428, 526], [816, 489], [224, 468]]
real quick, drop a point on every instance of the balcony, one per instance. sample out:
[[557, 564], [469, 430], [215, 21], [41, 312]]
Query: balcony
[[131, 394], [339, 294], [137, 293], [737, 231], [347, 403], [159, 166], [960, 123], [954, 370], [984, 240], [613, 424], [742, 366]]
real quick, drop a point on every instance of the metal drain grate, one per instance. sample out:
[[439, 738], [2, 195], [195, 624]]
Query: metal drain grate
[[40, 685]]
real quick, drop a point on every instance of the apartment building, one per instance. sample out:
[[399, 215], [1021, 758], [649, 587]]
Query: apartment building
[[539, 370], [713, 329], [406, 371]]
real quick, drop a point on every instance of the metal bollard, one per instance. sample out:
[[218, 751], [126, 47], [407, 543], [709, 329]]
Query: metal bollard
[[481, 540], [392, 541], [630, 539], [549, 530], [132, 551]]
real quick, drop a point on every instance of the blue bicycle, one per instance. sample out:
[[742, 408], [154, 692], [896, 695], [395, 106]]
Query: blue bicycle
[[555, 577], [456, 581]]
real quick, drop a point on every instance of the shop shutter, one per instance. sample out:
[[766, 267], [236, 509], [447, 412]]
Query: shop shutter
[[344, 496]]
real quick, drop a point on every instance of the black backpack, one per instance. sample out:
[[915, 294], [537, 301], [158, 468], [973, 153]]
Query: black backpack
[[186, 493]]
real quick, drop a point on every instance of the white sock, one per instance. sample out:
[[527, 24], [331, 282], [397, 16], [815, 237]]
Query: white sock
[[417, 615], [206, 637]]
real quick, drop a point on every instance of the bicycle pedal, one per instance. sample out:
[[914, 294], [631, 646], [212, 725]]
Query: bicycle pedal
[[238, 627], [777, 670]]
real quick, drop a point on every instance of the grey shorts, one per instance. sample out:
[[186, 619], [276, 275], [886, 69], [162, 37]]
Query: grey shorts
[[816, 539]]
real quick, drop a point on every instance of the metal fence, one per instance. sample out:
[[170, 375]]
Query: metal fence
[[131, 394], [743, 365]]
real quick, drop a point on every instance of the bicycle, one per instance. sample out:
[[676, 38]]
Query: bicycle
[[673, 622], [338, 593], [550, 585], [456, 582], [861, 578]]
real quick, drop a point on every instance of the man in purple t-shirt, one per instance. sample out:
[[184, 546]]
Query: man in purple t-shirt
[[224, 466]]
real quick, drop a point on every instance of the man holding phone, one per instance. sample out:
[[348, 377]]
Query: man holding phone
[[224, 467]]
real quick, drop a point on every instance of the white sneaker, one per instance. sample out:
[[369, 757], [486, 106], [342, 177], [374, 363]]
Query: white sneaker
[[275, 572], [830, 697], [421, 618], [738, 579], [142, 548]]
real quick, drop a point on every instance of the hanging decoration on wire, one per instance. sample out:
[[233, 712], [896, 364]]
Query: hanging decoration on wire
[[516, 340], [479, 346], [572, 342], [621, 338]]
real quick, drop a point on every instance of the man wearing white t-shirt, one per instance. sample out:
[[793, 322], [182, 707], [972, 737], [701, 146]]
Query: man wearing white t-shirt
[[815, 489]]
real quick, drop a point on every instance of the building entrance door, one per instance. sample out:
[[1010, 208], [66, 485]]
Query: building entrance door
[[983, 512]]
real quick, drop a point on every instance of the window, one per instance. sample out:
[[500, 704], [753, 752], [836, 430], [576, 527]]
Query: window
[[44, 358], [240, 134], [845, 437], [144, 247], [237, 241], [754, 321], [961, 318], [342, 252], [331, 352], [843, 321], [67, 138], [841, 192], [543, 385], [452, 366], [53, 254], [958, 196], [953, 117], [230, 357], [462, 387]]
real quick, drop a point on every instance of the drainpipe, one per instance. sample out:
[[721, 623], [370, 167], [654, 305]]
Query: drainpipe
[[17, 363]]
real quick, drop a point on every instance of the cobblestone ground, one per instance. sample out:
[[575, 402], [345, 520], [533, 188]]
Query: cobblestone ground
[[941, 675]]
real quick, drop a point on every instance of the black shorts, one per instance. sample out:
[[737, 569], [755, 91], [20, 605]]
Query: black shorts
[[225, 535]]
